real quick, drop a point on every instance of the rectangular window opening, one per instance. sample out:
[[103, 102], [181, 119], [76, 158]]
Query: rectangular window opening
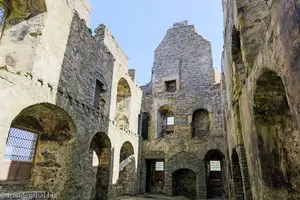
[[170, 86], [98, 100], [215, 165], [170, 121], [20, 145], [159, 166]]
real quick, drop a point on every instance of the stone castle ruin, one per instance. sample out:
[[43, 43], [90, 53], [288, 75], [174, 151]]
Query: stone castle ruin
[[75, 123]]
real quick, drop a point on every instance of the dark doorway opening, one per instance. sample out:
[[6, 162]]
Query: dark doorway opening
[[214, 174], [237, 176], [184, 183], [155, 176], [101, 145]]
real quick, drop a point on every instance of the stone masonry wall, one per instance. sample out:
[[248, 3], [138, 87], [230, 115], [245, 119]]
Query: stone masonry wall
[[265, 35], [121, 71], [62, 75], [184, 56]]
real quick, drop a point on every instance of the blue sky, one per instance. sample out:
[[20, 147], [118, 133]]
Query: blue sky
[[140, 25]]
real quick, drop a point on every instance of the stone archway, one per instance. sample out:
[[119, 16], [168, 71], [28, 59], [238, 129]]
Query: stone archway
[[184, 183], [101, 145], [127, 169], [214, 173], [277, 138], [38, 148], [184, 160]]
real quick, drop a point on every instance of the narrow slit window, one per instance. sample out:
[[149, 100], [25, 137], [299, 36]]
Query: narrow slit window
[[99, 101], [20, 145]]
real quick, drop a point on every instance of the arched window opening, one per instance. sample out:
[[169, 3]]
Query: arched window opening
[[200, 123], [127, 169], [36, 139], [166, 121], [237, 176], [184, 183], [99, 97], [277, 146], [123, 104], [214, 174], [101, 154]]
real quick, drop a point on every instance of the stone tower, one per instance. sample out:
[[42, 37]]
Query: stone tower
[[182, 126]]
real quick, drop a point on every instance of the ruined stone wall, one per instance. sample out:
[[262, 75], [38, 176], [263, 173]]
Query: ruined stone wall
[[183, 56], [29, 45], [132, 107], [86, 60], [63, 61], [261, 37]]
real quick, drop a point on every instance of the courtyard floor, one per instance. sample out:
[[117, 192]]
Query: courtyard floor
[[152, 196], [147, 197]]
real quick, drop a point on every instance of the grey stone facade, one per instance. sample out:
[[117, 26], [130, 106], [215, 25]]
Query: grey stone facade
[[183, 57], [73, 116]]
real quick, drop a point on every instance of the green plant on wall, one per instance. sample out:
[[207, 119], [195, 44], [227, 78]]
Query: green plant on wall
[[20, 10]]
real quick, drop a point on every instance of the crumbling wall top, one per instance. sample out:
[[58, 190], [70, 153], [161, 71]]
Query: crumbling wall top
[[180, 24], [105, 35]]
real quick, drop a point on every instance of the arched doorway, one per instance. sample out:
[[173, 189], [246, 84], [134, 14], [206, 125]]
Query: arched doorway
[[237, 176], [184, 183], [101, 145], [38, 148], [123, 104], [127, 169], [214, 173], [200, 123], [277, 138]]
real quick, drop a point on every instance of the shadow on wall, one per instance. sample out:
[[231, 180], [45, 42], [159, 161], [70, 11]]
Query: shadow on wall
[[127, 176], [278, 147], [184, 183], [39, 139], [237, 176], [200, 123]]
